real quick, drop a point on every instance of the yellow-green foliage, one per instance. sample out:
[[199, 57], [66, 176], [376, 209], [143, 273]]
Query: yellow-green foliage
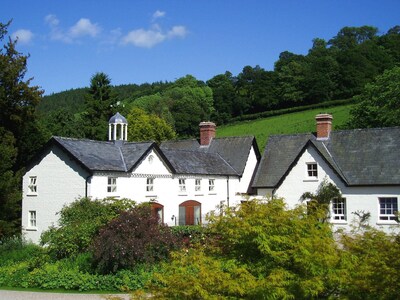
[[192, 274], [261, 251], [375, 265]]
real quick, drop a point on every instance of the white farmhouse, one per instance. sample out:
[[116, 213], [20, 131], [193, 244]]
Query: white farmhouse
[[184, 180], [363, 163]]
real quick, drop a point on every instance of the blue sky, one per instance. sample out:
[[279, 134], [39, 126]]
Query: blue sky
[[147, 41]]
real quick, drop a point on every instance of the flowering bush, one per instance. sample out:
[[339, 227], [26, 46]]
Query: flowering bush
[[133, 237]]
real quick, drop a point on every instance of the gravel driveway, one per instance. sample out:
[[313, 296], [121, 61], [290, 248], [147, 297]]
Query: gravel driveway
[[18, 295]]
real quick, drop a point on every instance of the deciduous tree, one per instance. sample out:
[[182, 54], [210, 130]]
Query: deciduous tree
[[148, 127], [379, 103]]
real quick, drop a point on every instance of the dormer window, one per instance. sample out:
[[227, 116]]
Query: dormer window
[[32, 186], [312, 170], [112, 185]]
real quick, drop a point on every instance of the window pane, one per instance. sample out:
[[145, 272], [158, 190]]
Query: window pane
[[388, 208], [182, 215], [197, 217], [312, 170]]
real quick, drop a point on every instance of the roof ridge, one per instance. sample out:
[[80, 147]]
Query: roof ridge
[[291, 134], [235, 137], [367, 129], [81, 140]]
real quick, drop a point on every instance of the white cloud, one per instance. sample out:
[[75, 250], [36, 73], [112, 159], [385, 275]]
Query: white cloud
[[52, 20], [177, 31], [144, 38], [24, 36], [84, 27], [158, 14], [151, 37]]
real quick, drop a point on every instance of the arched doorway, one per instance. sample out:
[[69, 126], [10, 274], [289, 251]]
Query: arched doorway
[[157, 210], [190, 213]]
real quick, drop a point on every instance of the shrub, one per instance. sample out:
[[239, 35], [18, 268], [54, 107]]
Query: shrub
[[189, 236], [194, 275], [375, 264], [60, 275], [134, 237], [16, 249], [79, 223], [292, 253]]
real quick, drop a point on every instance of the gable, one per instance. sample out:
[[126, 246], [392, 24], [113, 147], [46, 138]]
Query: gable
[[279, 155], [358, 157], [153, 163], [53, 159]]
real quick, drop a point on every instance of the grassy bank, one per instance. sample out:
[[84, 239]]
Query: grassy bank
[[299, 122]]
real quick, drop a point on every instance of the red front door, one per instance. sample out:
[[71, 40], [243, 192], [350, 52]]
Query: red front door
[[190, 213]]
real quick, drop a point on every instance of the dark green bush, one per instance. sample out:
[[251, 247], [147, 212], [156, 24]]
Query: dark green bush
[[61, 275], [16, 249], [79, 223], [188, 236], [133, 237]]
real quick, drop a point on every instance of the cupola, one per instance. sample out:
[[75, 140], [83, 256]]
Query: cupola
[[117, 128]]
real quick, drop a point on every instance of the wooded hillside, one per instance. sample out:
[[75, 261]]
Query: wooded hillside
[[336, 69]]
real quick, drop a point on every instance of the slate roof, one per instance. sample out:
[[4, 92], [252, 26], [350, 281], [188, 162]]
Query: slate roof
[[233, 150], [104, 156], [224, 156], [192, 162], [361, 157]]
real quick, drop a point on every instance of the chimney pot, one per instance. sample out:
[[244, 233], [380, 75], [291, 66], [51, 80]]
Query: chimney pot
[[207, 132], [324, 126]]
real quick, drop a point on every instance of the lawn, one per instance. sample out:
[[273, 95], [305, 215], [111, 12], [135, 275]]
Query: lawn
[[299, 122]]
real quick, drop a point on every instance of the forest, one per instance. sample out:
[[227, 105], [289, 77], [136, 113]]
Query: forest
[[258, 250]]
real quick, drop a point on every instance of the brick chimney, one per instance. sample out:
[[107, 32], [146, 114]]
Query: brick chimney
[[324, 126], [207, 133]]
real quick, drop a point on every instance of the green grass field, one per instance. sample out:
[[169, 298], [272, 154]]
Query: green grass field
[[299, 122]]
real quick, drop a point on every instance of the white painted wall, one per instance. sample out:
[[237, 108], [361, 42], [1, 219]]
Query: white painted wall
[[166, 188], [60, 181], [249, 170], [357, 198]]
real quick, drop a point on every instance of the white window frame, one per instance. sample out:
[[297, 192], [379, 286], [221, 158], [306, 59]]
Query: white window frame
[[388, 208], [339, 213], [149, 184], [182, 185], [32, 219], [111, 185], [211, 185], [312, 173], [197, 185], [32, 186]]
